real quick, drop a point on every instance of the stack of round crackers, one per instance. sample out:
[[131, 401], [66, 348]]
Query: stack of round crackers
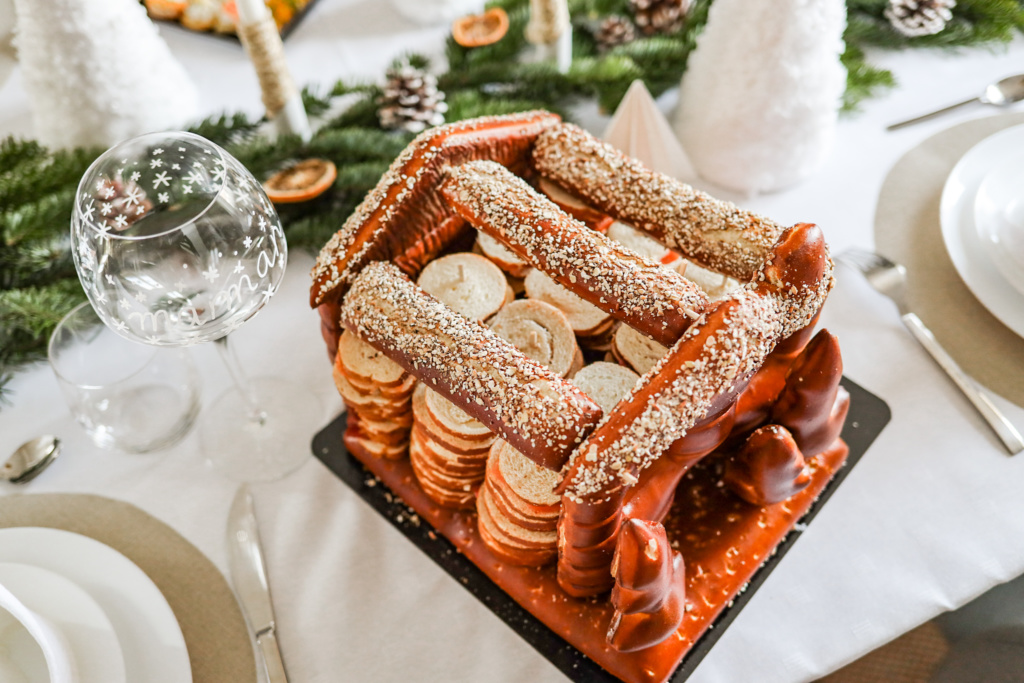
[[378, 392], [448, 450], [518, 509]]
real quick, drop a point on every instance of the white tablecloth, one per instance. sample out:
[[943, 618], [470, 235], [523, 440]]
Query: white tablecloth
[[931, 517]]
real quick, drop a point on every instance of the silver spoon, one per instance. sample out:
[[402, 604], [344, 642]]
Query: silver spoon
[[31, 458], [1001, 94]]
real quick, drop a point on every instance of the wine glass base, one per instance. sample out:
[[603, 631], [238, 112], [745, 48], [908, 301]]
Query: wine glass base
[[248, 450]]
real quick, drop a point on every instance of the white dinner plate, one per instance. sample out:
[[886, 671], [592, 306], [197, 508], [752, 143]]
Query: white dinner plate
[[957, 217], [90, 638], [154, 649]]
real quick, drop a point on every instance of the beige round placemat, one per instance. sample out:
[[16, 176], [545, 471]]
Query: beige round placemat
[[210, 619], [907, 230]]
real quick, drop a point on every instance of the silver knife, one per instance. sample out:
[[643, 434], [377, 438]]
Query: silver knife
[[249, 575]]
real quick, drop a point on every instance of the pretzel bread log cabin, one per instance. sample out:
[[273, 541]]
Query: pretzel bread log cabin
[[656, 301], [700, 376], [403, 219], [538, 412], [716, 234]]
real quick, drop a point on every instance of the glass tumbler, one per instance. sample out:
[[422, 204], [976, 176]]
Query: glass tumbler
[[130, 397]]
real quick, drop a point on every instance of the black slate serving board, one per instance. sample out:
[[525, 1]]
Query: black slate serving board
[[868, 416]]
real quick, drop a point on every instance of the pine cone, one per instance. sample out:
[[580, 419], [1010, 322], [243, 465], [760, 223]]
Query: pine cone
[[660, 16], [411, 100], [614, 31], [914, 18]]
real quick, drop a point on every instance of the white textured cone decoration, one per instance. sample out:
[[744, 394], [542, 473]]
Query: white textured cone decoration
[[761, 94], [98, 72], [640, 130]]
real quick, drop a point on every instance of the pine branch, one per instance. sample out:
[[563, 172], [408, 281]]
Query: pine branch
[[28, 317], [862, 79], [33, 179], [14, 151], [36, 220], [226, 128]]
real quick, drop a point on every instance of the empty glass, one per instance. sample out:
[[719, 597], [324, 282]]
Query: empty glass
[[127, 396], [176, 243]]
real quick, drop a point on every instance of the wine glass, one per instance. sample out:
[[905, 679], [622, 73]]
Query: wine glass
[[176, 243]]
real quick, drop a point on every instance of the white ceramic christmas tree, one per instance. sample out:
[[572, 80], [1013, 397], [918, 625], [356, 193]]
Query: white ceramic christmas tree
[[761, 94], [640, 130], [98, 72]]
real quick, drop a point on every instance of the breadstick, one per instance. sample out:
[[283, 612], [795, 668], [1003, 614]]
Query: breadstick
[[533, 409], [715, 233], [631, 288]]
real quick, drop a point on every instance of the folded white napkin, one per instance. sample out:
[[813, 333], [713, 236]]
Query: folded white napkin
[[16, 664]]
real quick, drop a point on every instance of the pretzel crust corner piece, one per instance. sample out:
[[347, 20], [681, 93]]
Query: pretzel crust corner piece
[[404, 207], [709, 365]]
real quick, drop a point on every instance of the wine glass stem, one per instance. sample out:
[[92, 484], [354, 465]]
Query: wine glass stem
[[240, 378]]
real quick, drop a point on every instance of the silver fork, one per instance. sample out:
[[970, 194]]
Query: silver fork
[[890, 279]]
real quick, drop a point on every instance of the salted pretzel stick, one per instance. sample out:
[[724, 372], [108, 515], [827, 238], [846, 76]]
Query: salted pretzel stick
[[715, 233], [702, 373], [539, 413], [654, 300]]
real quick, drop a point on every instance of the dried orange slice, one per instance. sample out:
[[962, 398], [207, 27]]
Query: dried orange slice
[[301, 182], [478, 30], [166, 9]]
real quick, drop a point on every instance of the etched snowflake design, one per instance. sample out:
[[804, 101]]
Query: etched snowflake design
[[139, 211], [197, 164], [152, 339], [263, 223], [182, 149], [101, 297], [163, 197], [241, 197], [211, 273], [158, 150], [120, 326], [111, 280], [175, 167], [156, 163], [195, 177], [87, 212], [239, 268], [134, 196], [219, 174], [106, 208], [186, 189], [108, 193], [124, 303], [121, 222], [247, 242], [161, 179], [140, 297], [268, 292], [100, 185]]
